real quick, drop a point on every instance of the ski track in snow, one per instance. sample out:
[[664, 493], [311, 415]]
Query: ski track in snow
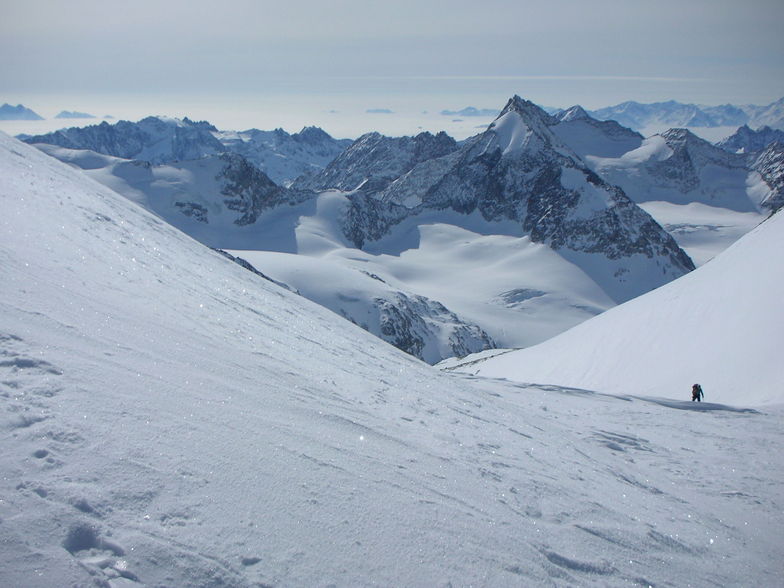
[[169, 419]]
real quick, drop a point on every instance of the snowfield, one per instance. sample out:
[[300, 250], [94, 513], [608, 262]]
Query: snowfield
[[168, 418], [719, 325]]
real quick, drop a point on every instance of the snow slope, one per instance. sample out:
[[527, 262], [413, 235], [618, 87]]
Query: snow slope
[[719, 325], [168, 418], [488, 274], [522, 292]]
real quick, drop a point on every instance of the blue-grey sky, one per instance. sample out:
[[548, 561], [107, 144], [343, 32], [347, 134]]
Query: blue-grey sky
[[403, 54]]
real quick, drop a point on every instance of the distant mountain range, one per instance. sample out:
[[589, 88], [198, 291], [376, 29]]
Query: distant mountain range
[[676, 114], [158, 140], [18, 112], [387, 234], [74, 114], [550, 219], [746, 140], [670, 114]]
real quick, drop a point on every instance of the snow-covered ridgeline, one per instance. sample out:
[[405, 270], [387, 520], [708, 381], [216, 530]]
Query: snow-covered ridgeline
[[165, 140]]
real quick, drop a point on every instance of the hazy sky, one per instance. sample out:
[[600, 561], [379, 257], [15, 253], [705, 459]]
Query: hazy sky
[[349, 55]]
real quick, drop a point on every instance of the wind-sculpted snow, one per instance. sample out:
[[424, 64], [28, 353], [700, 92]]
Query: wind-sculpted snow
[[168, 418]]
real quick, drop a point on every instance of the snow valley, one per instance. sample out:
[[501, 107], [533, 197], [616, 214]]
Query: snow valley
[[387, 232], [169, 418]]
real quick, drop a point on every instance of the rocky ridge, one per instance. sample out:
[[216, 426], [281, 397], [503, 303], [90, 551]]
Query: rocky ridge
[[159, 140], [517, 170]]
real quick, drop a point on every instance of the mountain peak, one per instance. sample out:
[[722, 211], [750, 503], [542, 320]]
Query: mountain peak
[[576, 112], [524, 108], [521, 126], [312, 135], [18, 112], [678, 136]]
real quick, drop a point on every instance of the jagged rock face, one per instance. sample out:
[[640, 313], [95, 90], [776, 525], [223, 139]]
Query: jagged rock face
[[247, 190], [770, 165], [373, 161], [518, 170], [678, 169], [284, 157], [415, 324], [692, 155], [746, 140], [151, 139]]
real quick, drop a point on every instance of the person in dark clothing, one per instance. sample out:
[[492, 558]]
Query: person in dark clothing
[[696, 393]]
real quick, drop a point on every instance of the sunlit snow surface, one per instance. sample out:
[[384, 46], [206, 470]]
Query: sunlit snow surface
[[719, 325], [170, 419]]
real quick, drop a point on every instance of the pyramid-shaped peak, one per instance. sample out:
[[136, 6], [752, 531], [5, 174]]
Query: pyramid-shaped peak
[[313, 134], [576, 112], [679, 136], [525, 108]]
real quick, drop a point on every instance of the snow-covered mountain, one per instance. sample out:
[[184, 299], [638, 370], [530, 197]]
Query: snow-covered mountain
[[746, 140], [518, 171], [769, 164], [153, 139], [374, 161], [771, 115], [219, 201], [170, 419], [716, 326], [208, 198], [679, 167], [543, 242], [161, 140], [670, 114], [667, 114], [338, 436], [397, 226], [73, 114], [18, 112], [703, 195], [586, 135], [283, 156], [471, 111]]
